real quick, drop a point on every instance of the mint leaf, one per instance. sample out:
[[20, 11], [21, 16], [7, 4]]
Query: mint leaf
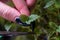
[[24, 18], [7, 27], [48, 4], [32, 18], [57, 3], [53, 25], [58, 30], [2, 21]]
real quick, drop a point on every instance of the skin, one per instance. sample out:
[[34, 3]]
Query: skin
[[10, 13]]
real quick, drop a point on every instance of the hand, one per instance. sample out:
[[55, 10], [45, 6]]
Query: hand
[[10, 13]]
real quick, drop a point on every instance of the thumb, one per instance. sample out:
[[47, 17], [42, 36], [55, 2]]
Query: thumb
[[8, 12], [30, 2]]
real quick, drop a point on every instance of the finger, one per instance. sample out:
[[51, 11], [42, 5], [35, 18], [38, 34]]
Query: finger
[[8, 13], [4, 0], [22, 7], [30, 2]]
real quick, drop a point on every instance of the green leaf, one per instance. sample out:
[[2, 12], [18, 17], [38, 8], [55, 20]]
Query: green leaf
[[24, 18], [53, 25], [7, 27], [58, 30], [58, 16], [2, 21], [32, 18], [48, 4], [13, 27], [57, 3], [38, 31], [1, 36]]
